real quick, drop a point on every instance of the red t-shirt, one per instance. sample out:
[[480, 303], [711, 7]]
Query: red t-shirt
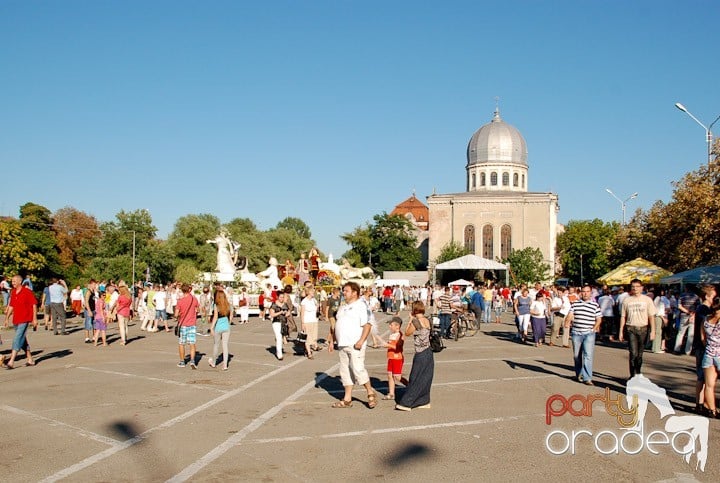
[[22, 303], [187, 310], [123, 305]]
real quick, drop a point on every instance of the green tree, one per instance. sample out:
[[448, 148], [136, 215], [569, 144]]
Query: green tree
[[451, 251], [254, 244], [37, 232], [590, 242], [360, 241], [390, 243], [285, 244], [15, 256], [296, 225], [527, 266], [114, 255], [188, 240], [186, 272]]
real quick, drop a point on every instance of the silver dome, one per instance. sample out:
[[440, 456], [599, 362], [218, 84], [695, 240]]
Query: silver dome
[[497, 142]]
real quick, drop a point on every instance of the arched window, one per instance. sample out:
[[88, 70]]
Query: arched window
[[505, 241], [523, 181], [493, 179], [472, 185], [470, 238], [488, 242], [482, 179], [506, 179], [515, 180]]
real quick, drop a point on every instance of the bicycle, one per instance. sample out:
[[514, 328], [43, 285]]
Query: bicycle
[[463, 324]]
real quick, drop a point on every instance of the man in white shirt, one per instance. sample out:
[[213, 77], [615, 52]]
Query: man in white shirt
[[160, 300], [58, 293], [352, 329]]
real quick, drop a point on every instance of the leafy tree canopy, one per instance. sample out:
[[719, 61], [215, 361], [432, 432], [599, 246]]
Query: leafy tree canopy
[[589, 242], [527, 266], [451, 251], [389, 242]]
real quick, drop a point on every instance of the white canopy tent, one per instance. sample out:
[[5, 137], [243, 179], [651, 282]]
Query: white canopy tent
[[461, 282], [471, 262]]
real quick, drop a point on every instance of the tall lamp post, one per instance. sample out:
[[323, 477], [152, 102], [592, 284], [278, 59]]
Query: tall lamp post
[[708, 129], [623, 204]]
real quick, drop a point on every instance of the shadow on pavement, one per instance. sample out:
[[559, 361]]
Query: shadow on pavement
[[51, 355], [409, 453]]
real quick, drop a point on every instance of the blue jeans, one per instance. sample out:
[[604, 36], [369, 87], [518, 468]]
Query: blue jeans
[[487, 312], [584, 360], [444, 324], [20, 340]]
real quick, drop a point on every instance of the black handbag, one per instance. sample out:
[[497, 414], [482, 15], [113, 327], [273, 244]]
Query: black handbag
[[302, 337]]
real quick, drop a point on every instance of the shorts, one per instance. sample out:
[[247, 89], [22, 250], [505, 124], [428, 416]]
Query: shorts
[[160, 314], [99, 325], [20, 340], [187, 335], [395, 366], [711, 361], [88, 321]]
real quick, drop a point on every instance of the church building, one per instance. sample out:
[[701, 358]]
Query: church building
[[496, 213]]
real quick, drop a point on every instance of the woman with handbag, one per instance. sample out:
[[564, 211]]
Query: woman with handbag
[[417, 393], [278, 315]]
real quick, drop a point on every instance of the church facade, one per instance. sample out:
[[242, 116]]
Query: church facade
[[496, 213]]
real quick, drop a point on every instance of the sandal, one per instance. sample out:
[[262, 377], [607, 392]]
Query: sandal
[[372, 400], [342, 404], [389, 397]]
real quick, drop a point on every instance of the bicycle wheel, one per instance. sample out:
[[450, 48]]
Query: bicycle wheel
[[460, 331], [471, 326]]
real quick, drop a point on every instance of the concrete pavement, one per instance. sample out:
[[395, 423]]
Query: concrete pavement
[[129, 414]]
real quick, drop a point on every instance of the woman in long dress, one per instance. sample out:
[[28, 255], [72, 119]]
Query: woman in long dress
[[417, 394]]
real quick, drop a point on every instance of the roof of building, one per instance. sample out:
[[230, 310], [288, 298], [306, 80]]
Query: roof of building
[[497, 142], [419, 211]]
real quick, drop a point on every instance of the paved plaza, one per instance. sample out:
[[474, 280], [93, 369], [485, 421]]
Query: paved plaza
[[129, 414]]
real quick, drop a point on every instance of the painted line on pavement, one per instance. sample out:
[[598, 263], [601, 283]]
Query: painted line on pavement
[[154, 379], [462, 361], [401, 429], [453, 383], [91, 460], [53, 422], [236, 438]]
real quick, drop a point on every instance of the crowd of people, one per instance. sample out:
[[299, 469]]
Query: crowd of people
[[575, 317]]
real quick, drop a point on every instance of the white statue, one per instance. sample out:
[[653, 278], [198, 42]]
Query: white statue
[[349, 272], [227, 252], [270, 274], [330, 265]]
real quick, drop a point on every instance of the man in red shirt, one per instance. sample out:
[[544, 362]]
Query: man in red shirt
[[23, 311], [187, 309]]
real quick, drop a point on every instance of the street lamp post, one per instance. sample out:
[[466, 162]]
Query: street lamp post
[[623, 204], [708, 129]]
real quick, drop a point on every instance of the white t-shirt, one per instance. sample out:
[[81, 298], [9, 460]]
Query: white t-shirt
[[76, 294], [310, 309], [159, 300], [538, 307], [606, 304], [350, 321]]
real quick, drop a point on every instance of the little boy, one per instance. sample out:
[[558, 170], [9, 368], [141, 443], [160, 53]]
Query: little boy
[[395, 357]]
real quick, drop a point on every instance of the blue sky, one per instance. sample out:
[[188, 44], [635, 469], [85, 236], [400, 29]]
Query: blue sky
[[334, 111]]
